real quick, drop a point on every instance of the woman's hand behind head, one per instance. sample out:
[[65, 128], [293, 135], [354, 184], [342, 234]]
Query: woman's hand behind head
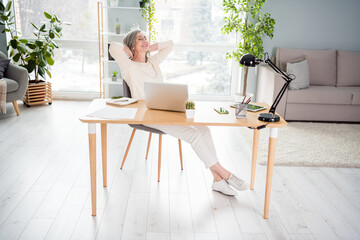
[[128, 52]]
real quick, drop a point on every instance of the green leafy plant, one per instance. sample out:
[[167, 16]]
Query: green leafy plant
[[189, 104], [148, 11], [114, 73], [245, 17], [35, 55]]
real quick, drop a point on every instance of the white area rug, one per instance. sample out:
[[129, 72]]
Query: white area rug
[[311, 144]]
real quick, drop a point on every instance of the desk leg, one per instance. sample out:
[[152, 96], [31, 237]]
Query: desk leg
[[104, 152], [254, 157], [270, 168], [92, 156]]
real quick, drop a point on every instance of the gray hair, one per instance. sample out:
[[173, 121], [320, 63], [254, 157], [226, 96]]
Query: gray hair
[[129, 41]]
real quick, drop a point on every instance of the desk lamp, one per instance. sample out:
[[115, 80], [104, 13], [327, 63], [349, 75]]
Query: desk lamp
[[250, 60]]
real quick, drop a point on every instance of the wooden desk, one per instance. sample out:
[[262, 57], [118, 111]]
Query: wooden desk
[[205, 116]]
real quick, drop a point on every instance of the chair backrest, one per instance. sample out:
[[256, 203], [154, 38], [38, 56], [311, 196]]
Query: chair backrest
[[126, 90], [127, 93]]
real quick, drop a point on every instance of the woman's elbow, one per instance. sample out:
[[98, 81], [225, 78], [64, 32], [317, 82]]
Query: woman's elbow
[[115, 47]]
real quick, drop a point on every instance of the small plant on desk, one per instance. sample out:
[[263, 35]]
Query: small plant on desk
[[114, 77], [190, 109]]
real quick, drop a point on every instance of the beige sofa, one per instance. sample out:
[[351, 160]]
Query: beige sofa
[[334, 91]]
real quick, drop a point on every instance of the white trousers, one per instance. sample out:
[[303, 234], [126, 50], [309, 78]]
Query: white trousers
[[199, 137]]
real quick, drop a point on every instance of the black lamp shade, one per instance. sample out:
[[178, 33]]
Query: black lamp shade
[[248, 60]]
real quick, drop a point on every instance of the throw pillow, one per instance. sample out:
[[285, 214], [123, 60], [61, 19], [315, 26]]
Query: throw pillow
[[293, 60], [297, 59], [301, 72], [4, 63]]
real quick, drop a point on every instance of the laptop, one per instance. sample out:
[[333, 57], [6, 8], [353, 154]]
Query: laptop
[[166, 96]]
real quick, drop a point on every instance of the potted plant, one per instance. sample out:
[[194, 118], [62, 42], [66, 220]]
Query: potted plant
[[113, 3], [36, 55], [190, 109], [117, 28], [114, 76], [148, 10], [244, 17], [142, 3]]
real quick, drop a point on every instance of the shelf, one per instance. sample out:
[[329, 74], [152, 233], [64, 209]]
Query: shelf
[[124, 8], [126, 15], [110, 81], [112, 34]]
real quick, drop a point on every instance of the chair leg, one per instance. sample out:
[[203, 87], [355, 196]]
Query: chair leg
[[148, 145], [159, 160], [128, 147], [180, 152], [16, 107]]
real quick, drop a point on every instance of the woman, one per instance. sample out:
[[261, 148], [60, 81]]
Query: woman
[[137, 67]]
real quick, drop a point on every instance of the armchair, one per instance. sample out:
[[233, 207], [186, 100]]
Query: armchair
[[16, 79]]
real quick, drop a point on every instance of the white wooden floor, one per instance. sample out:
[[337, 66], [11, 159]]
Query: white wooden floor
[[44, 187]]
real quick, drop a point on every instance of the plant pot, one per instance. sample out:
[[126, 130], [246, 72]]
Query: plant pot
[[190, 113], [117, 30], [114, 79], [141, 4], [38, 93]]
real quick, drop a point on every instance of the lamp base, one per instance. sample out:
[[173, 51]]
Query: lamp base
[[268, 117]]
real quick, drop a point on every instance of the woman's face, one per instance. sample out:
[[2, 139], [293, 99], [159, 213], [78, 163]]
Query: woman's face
[[141, 43]]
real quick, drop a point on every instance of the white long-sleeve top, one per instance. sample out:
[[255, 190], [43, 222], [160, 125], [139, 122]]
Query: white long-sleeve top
[[135, 73]]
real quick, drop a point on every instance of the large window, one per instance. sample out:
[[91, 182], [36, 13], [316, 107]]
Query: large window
[[76, 66], [198, 58], [206, 73]]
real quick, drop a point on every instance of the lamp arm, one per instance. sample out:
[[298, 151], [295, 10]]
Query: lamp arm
[[251, 61], [284, 76], [278, 97], [278, 70]]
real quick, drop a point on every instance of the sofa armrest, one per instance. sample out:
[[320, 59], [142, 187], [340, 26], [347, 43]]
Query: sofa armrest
[[20, 75], [268, 86]]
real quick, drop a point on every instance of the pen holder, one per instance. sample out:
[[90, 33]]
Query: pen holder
[[240, 110]]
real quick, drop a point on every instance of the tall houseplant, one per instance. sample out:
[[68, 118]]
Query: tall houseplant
[[148, 10], [35, 55], [245, 17]]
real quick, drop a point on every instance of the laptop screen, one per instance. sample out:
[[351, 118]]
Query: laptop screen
[[166, 96]]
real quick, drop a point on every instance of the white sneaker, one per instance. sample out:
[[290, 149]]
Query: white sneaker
[[237, 183], [223, 187]]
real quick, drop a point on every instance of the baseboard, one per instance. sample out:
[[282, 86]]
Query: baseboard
[[75, 95]]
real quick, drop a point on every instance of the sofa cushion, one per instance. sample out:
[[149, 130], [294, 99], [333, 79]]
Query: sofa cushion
[[356, 99], [12, 85], [320, 95], [355, 92], [348, 73], [301, 72], [322, 64], [4, 63]]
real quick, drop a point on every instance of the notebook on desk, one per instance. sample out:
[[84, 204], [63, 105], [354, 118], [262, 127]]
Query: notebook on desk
[[166, 96]]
